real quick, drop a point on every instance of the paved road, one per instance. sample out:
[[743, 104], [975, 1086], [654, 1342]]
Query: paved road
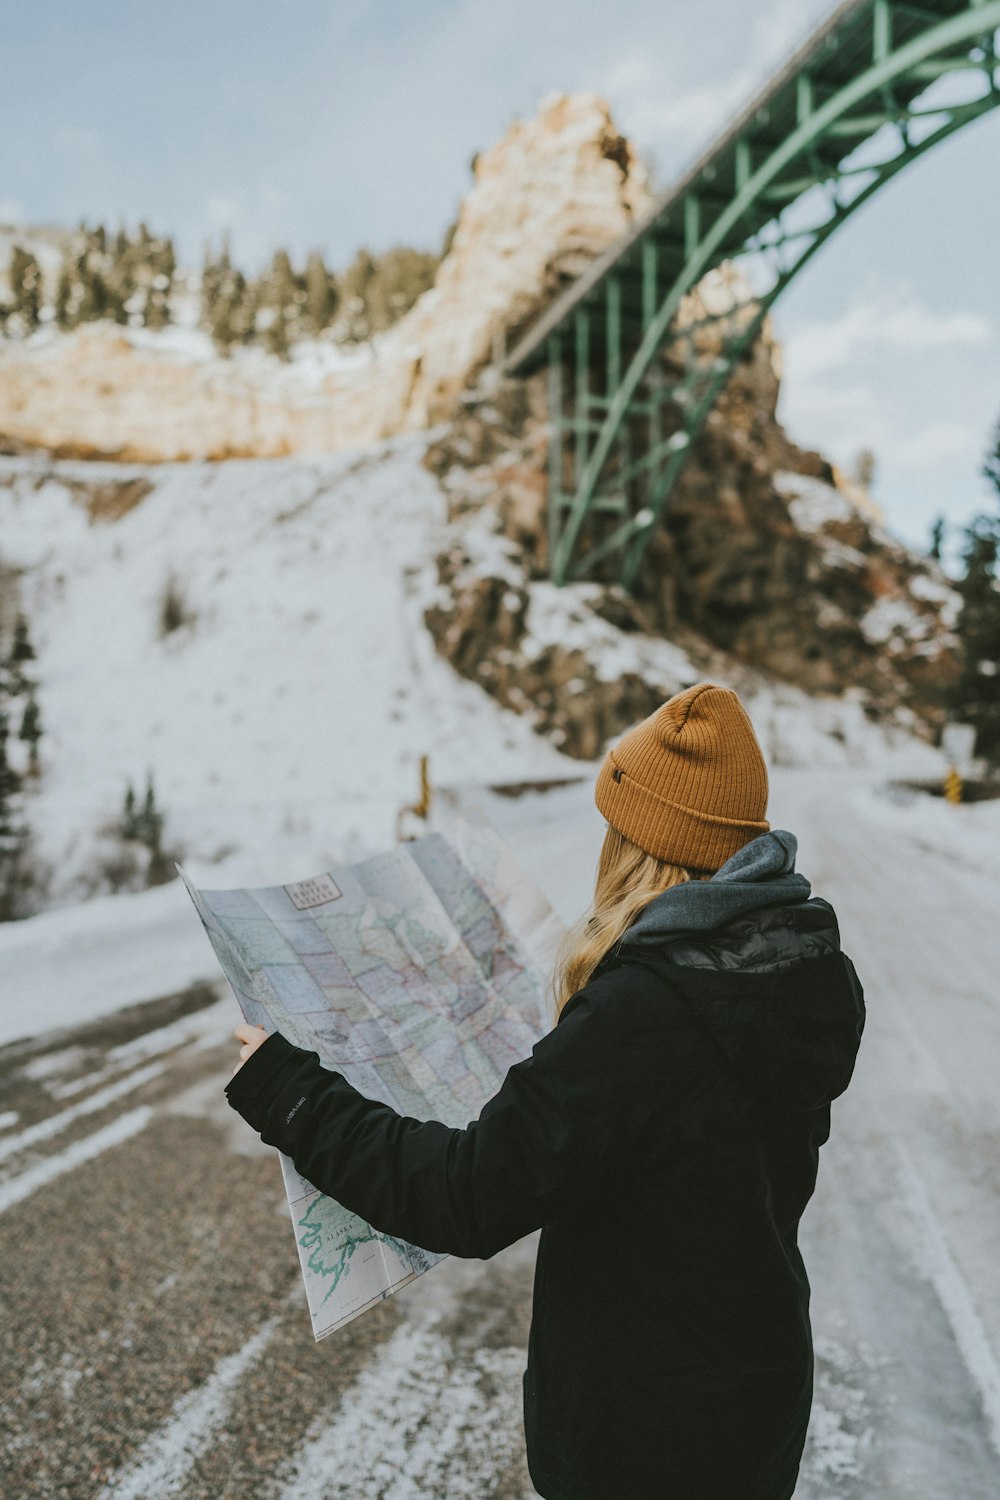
[[155, 1337]]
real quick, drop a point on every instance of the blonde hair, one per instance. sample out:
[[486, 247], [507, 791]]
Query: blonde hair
[[627, 880]]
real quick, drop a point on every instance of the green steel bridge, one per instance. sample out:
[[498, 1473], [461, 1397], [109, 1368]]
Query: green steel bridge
[[635, 364]]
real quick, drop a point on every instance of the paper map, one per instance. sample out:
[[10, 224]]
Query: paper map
[[420, 976]]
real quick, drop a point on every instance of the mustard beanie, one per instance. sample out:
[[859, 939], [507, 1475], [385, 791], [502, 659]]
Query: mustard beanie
[[688, 784]]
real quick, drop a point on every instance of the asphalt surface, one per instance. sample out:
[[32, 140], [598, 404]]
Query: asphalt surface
[[156, 1340]]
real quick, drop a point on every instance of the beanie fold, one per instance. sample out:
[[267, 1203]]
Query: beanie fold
[[666, 830], [689, 784]]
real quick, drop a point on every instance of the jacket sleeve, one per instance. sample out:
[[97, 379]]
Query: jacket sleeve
[[539, 1142]]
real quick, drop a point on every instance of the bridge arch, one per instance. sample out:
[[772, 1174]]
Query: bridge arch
[[630, 382]]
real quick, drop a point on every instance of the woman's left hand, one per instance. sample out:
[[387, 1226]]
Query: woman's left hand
[[251, 1037]]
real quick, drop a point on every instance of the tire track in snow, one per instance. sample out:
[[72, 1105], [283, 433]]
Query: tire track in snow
[[45, 1129], [953, 1293], [163, 1462], [202, 1028], [16, 1189], [417, 1422]]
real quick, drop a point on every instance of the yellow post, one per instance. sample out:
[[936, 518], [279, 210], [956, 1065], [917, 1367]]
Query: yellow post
[[419, 809], [953, 786], [423, 807]]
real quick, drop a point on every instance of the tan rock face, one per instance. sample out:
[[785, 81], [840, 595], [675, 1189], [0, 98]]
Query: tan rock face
[[766, 559], [547, 198]]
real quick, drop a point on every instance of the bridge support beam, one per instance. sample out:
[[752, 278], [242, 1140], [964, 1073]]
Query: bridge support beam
[[643, 374]]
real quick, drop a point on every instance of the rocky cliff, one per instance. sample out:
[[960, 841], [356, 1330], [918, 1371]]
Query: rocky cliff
[[768, 561], [769, 564], [547, 198]]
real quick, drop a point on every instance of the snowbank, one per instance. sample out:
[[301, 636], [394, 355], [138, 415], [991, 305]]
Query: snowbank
[[284, 720]]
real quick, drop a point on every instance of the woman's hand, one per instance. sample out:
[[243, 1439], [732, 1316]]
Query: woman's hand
[[251, 1037]]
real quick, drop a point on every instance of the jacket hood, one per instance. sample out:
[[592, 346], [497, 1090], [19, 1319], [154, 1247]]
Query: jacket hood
[[758, 962], [762, 873]]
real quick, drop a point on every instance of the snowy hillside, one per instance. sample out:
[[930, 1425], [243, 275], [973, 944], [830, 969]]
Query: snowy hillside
[[288, 713], [283, 718]]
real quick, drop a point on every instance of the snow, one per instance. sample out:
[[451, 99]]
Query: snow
[[894, 622], [561, 617], [937, 591], [283, 726], [52, 1125], [839, 555], [313, 367], [76, 963], [166, 1458], [941, 1268], [812, 503], [15, 1189], [400, 1429], [889, 618]]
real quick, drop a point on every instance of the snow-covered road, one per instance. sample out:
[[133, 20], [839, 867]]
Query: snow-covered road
[[146, 1354]]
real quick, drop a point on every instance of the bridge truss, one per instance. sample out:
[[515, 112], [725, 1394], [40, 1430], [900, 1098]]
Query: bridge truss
[[635, 363]]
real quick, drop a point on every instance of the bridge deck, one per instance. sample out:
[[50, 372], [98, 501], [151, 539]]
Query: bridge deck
[[834, 53]]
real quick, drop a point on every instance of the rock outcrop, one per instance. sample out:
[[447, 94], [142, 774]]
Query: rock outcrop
[[547, 198], [767, 561]]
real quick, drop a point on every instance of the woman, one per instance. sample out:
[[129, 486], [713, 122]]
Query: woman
[[664, 1135]]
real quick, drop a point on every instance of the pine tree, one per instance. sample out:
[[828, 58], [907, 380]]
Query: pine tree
[[937, 538], [403, 275], [129, 827], [377, 291], [321, 293], [26, 288], [13, 833], [231, 322], [228, 301], [142, 825], [864, 467], [21, 648], [975, 695], [150, 820], [65, 310], [163, 266], [31, 731], [281, 296], [991, 468], [146, 267], [355, 289], [21, 652], [213, 269], [22, 878], [10, 781]]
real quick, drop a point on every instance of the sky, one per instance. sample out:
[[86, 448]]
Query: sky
[[354, 122]]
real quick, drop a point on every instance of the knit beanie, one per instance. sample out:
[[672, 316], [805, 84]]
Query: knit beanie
[[688, 784]]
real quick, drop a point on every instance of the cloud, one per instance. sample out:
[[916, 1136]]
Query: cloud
[[657, 112], [77, 140], [253, 227], [934, 445], [879, 327], [223, 211], [840, 418]]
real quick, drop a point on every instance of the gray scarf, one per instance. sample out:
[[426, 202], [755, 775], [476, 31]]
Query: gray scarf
[[762, 873]]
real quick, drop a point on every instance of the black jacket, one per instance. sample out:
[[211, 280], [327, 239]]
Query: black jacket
[[664, 1136]]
